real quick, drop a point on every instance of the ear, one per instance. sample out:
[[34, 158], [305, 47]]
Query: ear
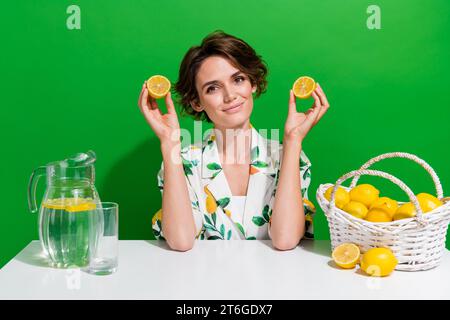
[[254, 89], [196, 106]]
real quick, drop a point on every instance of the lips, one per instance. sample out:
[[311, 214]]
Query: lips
[[234, 108]]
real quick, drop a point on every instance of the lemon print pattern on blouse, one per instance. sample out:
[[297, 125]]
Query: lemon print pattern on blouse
[[211, 197]]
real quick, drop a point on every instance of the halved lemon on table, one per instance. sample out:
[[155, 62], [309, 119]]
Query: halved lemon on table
[[346, 255], [158, 86], [303, 87]]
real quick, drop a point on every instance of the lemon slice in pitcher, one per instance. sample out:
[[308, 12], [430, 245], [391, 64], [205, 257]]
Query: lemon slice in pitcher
[[158, 86], [70, 204], [303, 87]]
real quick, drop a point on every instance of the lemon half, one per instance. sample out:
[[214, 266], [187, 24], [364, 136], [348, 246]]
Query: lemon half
[[303, 87], [158, 86], [346, 255]]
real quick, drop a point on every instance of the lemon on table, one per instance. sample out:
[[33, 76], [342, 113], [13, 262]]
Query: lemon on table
[[341, 197], [346, 255], [356, 209], [364, 193], [303, 87], [158, 86], [378, 262], [385, 203], [428, 202], [378, 215]]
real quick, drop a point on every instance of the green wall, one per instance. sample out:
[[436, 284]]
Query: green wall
[[66, 91]]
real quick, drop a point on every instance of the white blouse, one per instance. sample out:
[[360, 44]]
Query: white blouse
[[237, 206], [220, 215]]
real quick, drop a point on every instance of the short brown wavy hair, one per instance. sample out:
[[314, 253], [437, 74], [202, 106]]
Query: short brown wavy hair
[[218, 43]]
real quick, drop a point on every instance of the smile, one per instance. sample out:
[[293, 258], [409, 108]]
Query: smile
[[234, 109]]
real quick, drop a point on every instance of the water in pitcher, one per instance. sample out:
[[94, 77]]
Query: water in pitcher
[[67, 230]]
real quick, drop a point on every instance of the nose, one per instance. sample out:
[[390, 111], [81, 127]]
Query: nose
[[229, 95]]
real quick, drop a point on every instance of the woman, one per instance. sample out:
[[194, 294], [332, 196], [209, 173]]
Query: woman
[[235, 184]]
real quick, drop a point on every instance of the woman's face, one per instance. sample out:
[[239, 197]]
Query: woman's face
[[225, 93]]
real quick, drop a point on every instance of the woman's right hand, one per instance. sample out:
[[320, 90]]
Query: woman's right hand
[[166, 126]]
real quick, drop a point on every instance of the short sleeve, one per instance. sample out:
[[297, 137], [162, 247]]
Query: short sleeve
[[157, 217]]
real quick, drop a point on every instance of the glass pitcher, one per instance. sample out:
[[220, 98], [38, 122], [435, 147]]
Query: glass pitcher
[[68, 221]]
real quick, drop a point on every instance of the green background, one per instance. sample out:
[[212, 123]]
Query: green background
[[66, 91]]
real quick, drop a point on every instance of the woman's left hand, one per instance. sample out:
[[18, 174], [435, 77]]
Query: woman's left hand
[[298, 124]]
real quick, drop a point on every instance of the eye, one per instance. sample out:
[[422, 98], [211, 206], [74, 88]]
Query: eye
[[209, 89], [239, 79]]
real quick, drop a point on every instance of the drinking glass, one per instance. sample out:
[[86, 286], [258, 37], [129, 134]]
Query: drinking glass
[[103, 258]]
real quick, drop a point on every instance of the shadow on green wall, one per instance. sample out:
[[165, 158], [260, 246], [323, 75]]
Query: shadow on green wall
[[132, 183]]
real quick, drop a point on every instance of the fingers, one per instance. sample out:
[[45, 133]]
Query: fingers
[[324, 102], [143, 105], [292, 105], [154, 105], [317, 102], [147, 102], [169, 104], [316, 105], [143, 102], [312, 115], [322, 96], [140, 95]]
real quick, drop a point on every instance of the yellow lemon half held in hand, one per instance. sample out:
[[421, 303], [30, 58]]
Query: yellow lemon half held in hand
[[341, 197], [387, 204], [346, 255], [364, 193], [378, 262], [356, 209], [378, 215], [158, 86], [303, 87]]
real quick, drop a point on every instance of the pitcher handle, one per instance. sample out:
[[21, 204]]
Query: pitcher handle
[[37, 173]]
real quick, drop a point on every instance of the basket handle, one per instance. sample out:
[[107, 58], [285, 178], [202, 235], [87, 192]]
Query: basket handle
[[398, 182], [405, 155]]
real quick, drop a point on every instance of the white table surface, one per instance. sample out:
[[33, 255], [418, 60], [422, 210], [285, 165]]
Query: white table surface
[[217, 270]]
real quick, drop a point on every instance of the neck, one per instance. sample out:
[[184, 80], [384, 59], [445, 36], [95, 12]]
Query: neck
[[234, 143]]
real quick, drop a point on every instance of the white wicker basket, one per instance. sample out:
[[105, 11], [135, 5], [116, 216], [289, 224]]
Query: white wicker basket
[[418, 243]]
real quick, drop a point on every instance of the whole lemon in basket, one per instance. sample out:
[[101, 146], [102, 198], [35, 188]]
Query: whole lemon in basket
[[428, 202], [341, 197], [364, 193], [378, 215], [346, 255], [378, 262], [387, 204], [405, 211], [356, 209]]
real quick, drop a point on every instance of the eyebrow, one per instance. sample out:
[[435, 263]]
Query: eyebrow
[[216, 81]]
